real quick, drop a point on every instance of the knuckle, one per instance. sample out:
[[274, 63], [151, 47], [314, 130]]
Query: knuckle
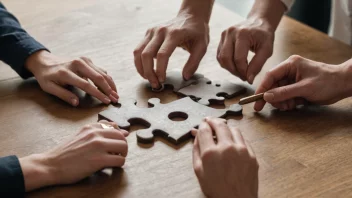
[[223, 57], [87, 127], [85, 58], [243, 32], [161, 30], [86, 85], [239, 60], [197, 169], [62, 72], [175, 32], [149, 31], [97, 142], [146, 54], [78, 61], [228, 149], [242, 150], [90, 135], [137, 51], [294, 59], [223, 34], [231, 29], [162, 54], [100, 78], [208, 154]]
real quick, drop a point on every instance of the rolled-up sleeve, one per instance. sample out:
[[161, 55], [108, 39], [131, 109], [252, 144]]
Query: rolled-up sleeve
[[16, 45], [288, 3], [11, 177]]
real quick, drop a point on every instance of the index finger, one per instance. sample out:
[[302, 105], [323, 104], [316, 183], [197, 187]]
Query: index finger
[[276, 74], [205, 136], [162, 58]]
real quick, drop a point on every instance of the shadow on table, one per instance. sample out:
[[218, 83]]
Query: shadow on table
[[105, 183], [311, 119]]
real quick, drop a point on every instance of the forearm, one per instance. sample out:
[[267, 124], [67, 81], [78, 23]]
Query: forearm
[[198, 8], [36, 172], [269, 12], [347, 72]]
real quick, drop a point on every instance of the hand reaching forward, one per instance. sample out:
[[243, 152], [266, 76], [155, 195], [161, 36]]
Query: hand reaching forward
[[186, 31], [92, 149], [226, 167], [54, 74], [297, 80], [236, 41]]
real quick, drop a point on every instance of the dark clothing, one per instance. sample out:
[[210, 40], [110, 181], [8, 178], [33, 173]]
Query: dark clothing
[[16, 45], [11, 177]]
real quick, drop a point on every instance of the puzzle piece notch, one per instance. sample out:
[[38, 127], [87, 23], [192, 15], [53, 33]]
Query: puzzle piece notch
[[157, 118], [205, 91]]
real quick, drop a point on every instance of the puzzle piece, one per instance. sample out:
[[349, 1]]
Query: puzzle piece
[[206, 92], [158, 118], [175, 80]]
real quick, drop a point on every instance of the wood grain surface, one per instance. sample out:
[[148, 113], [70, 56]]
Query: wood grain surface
[[303, 153]]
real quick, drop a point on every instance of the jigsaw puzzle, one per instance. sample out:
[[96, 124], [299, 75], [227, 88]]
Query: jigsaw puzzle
[[201, 89], [158, 117], [206, 91]]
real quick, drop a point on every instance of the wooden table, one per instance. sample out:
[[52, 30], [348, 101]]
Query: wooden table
[[303, 153]]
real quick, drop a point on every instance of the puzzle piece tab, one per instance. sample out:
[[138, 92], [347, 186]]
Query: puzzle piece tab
[[206, 91], [158, 118]]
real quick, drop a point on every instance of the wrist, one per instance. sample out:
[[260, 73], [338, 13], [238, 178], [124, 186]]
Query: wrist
[[263, 11], [37, 172], [40, 60], [198, 9], [346, 73]]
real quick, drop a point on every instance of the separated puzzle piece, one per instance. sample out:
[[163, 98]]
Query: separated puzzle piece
[[158, 118], [206, 91]]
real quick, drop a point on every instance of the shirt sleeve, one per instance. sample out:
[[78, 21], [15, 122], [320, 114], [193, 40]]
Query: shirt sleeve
[[288, 3], [16, 45], [11, 177]]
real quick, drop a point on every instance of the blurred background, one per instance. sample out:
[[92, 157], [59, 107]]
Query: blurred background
[[315, 13]]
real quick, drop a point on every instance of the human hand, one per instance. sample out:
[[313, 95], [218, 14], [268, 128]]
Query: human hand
[[54, 74], [188, 31], [226, 167], [92, 149], [252, 34], [297, 80]]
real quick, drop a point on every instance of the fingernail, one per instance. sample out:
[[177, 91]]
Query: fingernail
[[113, 98], [125, 133], [161, 79], [155, 85], [107, 100], [268, 97], [251, 79], [74, 101]]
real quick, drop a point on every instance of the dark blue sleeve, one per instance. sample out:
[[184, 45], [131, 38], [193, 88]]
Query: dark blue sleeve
[[11, 177], [16, 45]]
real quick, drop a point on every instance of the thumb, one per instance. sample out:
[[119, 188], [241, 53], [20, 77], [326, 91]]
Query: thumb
[[284, 93]]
